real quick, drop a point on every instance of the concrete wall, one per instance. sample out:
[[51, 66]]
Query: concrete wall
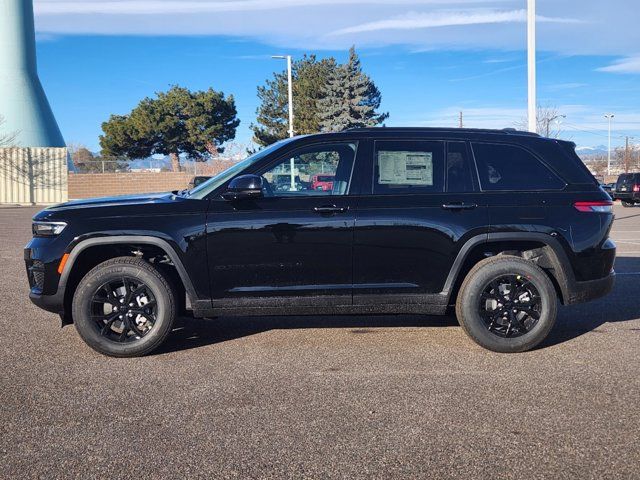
[[87, 185], [33, 175]]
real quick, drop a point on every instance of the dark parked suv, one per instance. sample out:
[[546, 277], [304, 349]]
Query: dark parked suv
[[500, 225], [628, 189]]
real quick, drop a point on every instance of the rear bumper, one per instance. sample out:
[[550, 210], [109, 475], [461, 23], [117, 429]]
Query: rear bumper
[[628, 196], [590, 290]]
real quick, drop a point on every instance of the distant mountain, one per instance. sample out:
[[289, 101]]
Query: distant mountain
[[597, 150]]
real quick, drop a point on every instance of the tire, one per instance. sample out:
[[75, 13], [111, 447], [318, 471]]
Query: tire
[[487, 327], [627, 204], [145, 317]]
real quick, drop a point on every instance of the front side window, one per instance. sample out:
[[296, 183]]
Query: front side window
[[202, 190], [316, 170], [407, 166], [509, 167]]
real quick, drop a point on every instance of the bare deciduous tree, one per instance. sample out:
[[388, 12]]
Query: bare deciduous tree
[[548, 123], [35, 168], [7, 139]]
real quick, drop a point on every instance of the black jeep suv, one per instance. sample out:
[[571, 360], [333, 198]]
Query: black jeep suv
[[628, 189], [500, 225]]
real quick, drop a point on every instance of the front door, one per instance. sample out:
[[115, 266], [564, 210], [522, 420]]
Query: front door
[[421, 207], [293, 246]]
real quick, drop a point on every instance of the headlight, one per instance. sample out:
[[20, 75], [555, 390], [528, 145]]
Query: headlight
[[47, 229]]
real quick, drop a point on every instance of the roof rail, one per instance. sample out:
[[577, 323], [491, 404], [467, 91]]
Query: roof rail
[[520, 132], [513, 131]]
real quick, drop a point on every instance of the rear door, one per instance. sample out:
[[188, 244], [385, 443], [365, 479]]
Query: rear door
[[419, 205], [514, 181]]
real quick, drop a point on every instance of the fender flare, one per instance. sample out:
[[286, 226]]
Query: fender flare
[[120, 239], [558, 261]]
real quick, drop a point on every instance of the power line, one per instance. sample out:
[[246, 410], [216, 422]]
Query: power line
[[592, 132]]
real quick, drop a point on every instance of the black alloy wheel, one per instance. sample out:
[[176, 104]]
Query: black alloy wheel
[[510, 305], [507, 304], [125, 307], [124, 310]]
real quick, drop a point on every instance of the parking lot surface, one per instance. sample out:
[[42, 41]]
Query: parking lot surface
[[322, 397]]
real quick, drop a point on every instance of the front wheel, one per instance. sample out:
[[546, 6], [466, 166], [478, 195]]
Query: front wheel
[[627, 204], [124, 307], [507, 304]]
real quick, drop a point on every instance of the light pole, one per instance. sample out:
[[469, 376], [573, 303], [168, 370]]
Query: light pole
[[549, 120], [609, 116], [531, 64], [290, 101]]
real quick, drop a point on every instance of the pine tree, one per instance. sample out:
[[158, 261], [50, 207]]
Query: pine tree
[[350, 99], [309, 79], [176, 122]]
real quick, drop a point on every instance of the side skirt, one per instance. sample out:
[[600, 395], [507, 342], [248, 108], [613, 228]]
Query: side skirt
[[430, 305]]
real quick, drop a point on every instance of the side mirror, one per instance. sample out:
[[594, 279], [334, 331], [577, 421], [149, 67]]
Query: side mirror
[[244, 187]]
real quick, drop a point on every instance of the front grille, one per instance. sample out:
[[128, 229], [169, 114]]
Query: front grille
[[37, 274]]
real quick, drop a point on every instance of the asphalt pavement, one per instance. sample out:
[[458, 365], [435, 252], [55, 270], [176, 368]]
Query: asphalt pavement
[[322, 397]]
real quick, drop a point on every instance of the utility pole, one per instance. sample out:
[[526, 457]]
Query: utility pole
[[531, 65], [290, 93], [609, 116], [460, 124], [627, 158]]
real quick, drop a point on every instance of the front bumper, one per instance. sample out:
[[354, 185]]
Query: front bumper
[[51, 303]]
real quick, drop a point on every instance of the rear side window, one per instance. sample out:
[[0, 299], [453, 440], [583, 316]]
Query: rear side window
[[407, 166], [459, 179], [508, 167]]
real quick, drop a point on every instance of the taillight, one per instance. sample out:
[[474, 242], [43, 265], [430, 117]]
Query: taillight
[[636, 188], [602, 206]]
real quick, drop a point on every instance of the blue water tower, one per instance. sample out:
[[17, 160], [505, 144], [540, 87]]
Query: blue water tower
[[23, 103]]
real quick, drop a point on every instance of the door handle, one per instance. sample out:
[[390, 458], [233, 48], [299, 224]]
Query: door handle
[[459, 206], [330, 209]]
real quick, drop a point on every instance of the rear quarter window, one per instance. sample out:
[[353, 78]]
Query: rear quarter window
[[503, 167]]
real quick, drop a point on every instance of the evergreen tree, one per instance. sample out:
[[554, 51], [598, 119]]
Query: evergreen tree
[[350, 99], [309, 79], [176, 122]]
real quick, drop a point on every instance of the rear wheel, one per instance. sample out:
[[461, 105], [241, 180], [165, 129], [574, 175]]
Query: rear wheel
[[627, 204], [507, 304], [124, 307]]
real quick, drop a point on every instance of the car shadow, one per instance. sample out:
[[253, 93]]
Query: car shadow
[[622, 304], [197, 332]]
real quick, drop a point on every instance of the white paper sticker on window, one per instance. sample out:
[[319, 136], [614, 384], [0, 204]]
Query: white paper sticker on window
[[405, 168]]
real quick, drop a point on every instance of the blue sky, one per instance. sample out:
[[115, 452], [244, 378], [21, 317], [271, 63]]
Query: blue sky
[[430, 58]]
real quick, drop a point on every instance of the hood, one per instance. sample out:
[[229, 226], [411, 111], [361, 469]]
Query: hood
[[121, 200]]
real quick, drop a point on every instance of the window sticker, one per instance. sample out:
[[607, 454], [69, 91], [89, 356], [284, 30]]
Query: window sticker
[[405, 168]]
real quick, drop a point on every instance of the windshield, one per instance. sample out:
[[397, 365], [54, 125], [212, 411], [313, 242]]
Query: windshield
[[210, 185]]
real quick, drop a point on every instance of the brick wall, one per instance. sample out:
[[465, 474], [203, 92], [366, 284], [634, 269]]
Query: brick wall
[[86, 185]]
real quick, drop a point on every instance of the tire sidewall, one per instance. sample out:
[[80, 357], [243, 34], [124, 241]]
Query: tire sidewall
[[89, 331], [470, 305]]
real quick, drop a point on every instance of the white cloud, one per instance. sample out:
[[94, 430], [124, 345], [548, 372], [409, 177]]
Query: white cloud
[[566, 27], [414, 20], [154, 7], [626, 65], [578, 117]]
